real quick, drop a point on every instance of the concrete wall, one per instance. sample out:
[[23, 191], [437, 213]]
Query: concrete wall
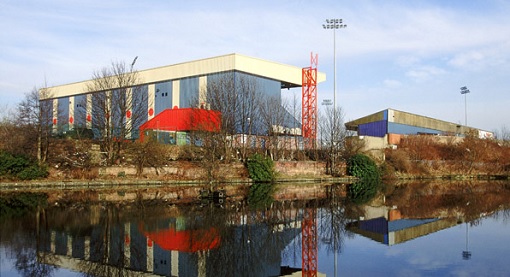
[[190, 171], [295, 168]]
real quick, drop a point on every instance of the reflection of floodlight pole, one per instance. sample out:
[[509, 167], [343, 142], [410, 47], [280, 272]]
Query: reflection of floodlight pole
[[466, 255], [465, 90]]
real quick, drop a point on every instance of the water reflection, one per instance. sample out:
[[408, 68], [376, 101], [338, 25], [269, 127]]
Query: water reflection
[[204, 239]]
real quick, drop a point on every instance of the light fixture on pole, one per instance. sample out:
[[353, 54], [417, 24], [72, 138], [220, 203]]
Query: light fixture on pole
[[464, 90], [133, 63]]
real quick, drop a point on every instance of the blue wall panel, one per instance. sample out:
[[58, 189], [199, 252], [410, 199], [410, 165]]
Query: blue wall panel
[[63, 114], [374, 129], [80, 106], [140, 107], [163, 96], [188, 92], [403, 129]]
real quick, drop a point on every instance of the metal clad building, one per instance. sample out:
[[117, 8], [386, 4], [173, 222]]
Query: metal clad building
[[172, 86], [392, 121], [386, 128]]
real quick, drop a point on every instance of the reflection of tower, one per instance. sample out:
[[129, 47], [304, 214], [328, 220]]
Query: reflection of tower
[[309, 243], [466, 255]]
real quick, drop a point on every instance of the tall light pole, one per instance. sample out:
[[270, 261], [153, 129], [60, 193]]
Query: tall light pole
[[464, 90], [334, 24]]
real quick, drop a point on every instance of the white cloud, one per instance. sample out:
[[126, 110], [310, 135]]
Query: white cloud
[[392, 84], [465, 59], [425, 73]]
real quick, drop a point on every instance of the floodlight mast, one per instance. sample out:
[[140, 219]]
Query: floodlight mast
[[464, 90], [336, 23]]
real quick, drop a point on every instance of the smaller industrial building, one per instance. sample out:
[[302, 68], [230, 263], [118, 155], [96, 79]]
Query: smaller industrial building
[[387, 127]]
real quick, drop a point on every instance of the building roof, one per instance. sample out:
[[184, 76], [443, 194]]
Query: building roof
[[289, 76]]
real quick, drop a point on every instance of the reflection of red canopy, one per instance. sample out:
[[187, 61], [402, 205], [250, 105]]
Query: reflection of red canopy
[[185, 240]]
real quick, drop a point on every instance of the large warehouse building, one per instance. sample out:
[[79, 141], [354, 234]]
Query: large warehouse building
[[386, 128], [171, 87]]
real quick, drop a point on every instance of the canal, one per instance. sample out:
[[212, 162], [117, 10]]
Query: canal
[[432, 228]]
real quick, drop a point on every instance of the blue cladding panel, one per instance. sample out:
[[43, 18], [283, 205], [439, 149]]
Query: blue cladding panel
[[140, 107], [189, 92], [80, 106], [385, 114], [63, 114], [377, 225], [163, 96], [408, 223], [373, 129], [403, 129]]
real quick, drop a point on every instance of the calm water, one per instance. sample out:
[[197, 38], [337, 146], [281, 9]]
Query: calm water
[[419, 229]]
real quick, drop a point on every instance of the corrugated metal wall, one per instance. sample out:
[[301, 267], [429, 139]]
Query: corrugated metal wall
[[374, 129], [163, 96], [80, 113], [403, 129], [63, 114]]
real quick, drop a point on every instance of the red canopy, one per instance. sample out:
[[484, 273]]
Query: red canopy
[[183, 120], [185, 240]]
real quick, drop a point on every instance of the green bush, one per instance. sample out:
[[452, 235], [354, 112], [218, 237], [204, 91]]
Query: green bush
[[363, 191], [12, 165], [260, 169], [33, 172], [260, 195], [18, 204], [362, 166], [20, 167]]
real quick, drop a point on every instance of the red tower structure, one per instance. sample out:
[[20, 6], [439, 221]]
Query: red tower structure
[[309, 249], [309, 102]]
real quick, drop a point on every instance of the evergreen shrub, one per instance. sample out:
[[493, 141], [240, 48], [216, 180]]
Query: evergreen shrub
[[362, 166], [366, 170], [260, 169], [20, 167]]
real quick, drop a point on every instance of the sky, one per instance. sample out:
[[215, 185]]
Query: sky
[[412, 56]]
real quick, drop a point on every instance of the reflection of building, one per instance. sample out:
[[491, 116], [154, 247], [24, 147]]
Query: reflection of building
[[388, 227], [169, 247]]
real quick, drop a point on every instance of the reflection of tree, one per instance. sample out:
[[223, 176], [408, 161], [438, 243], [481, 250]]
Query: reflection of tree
[[333, 220], [448, 198], [251, 240], [108, 253], [30, 259]]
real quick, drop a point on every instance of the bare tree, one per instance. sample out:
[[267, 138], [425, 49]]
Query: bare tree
[[237, 98], [295, 106], [32, 125], [503, 135], [119, 107], [332, 136], [249, 95], [274, 117], [221, 97]]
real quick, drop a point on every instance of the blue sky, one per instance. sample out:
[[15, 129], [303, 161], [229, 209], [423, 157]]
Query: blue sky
[[408, 55]]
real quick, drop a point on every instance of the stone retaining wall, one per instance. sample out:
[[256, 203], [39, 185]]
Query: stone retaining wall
[[227, 171]]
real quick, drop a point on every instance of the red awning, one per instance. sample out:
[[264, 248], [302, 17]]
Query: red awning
[[185, 240]]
